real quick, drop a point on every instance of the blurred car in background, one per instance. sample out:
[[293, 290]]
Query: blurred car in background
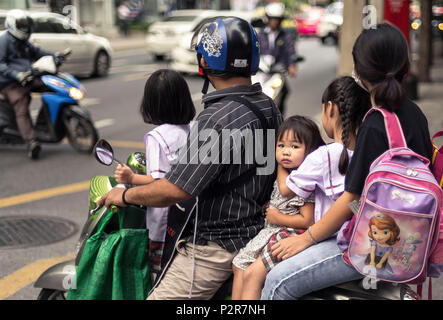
[[308, 21], [329, 27], [91, 55], [184, 59], [166, 34]]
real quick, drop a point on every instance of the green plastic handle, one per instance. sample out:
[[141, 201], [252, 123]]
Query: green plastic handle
[[113, 208]]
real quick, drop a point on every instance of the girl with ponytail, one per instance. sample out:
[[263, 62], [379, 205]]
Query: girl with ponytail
[[381, 61], [345, 99], [323, 171]]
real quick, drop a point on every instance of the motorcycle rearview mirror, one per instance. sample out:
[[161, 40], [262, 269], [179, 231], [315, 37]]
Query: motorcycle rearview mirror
[[104, 153], [66, 52]]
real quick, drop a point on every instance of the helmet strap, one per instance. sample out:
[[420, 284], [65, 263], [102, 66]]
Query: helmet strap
[[205, 86], [201, 71]]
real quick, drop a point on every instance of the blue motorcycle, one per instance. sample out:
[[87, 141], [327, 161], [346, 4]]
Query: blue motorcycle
[[60, 114]]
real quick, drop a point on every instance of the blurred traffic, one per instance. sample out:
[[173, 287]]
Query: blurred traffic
[[167, 30], [167, 34], [436, 18], [91, 54]]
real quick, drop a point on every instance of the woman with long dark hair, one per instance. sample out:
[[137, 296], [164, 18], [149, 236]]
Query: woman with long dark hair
[[381, 62]]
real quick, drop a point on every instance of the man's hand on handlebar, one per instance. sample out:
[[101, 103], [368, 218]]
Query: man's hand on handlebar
[[60, 57], [25, 77], [112, 197], [292, 71]]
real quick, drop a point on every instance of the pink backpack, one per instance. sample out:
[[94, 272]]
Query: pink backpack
[[396, 235]]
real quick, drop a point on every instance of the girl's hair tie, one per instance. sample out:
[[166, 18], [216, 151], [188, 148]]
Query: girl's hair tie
[[390, 75]]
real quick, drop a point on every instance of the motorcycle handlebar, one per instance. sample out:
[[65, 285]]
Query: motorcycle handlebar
[[60, 57], [65, 53], [113, 208]]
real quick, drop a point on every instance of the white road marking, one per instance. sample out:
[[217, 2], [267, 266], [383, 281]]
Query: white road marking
[[119, 62], [129, 52], [136, 68], [99, 124]]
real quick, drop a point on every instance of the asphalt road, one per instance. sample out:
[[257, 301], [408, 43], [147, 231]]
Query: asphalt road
[[113, 103]]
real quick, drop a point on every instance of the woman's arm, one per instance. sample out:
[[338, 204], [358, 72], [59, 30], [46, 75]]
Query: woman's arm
[[301, 220], [329, 224], [282, 174], [334, 218]]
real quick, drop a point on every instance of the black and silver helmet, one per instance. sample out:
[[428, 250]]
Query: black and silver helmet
[[19, 24]]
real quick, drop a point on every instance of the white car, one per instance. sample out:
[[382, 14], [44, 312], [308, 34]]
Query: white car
[[165, 35], [91, 55], [183, 58], [331, 22]]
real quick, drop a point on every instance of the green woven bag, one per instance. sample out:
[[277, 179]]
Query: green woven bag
[[114, 265]]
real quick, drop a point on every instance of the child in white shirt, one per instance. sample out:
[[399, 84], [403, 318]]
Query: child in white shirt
[[166, 103]]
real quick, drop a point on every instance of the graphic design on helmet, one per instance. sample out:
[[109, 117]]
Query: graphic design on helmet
[[212, 42]]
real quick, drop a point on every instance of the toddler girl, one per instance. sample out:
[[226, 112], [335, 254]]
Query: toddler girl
[[286, 216], [344, 104]]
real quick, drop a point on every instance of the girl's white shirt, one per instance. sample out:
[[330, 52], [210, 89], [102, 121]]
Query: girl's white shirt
[[319, 173], [163, 144]]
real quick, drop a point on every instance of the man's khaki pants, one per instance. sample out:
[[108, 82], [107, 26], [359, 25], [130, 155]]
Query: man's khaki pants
[[213, 266]]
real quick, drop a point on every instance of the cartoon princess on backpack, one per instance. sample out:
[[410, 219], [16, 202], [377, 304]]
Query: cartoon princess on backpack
[[384, 234]]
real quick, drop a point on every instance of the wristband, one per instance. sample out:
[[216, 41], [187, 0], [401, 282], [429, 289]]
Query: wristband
[[312, 238], [123, 197]]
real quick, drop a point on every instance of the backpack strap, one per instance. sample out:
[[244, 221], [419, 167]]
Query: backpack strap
[[393, 128], [436, 149], [256, 110], [438, 134], [221, 188], [420, 289]]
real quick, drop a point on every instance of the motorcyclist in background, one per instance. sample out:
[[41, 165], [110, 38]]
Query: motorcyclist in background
[[277, 42], [16, 81]]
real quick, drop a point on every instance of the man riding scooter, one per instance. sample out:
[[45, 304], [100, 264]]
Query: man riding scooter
[[16, 81], [278, 43]]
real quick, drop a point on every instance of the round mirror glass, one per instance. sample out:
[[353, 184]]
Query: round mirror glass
[[103, 152]]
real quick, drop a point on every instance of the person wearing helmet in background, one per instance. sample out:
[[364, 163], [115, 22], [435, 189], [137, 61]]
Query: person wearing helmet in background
[[16, 82], [229, 193], [277, 42]]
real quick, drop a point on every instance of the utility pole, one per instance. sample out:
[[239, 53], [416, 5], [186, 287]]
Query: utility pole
[[357, 14], [351, 28]]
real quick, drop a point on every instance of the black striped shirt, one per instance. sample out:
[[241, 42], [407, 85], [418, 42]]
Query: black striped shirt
[[233, 218]]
